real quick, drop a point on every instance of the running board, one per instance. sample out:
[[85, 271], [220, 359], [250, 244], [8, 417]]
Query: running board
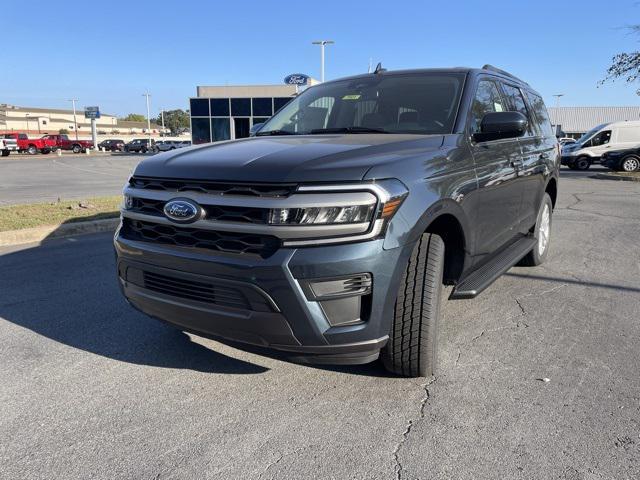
[[477, 281]]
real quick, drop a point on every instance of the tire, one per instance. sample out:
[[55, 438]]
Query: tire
[[542, 234], [5, 153], [412, 347], [630, 163], [582, 163], [32, 150], [76, 149], [45, 151]]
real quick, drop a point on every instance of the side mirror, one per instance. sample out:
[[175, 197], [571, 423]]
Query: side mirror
[[255, 128], [498, 125]]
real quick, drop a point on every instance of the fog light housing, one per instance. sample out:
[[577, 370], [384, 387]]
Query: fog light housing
[[344, 300]]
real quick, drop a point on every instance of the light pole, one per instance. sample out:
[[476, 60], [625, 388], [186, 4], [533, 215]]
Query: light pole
[[147, 94], [558, 95], [162, 118], [75, 120], [26, 119], [322, 43]]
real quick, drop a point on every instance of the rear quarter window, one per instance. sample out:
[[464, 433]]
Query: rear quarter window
[[540, 115]]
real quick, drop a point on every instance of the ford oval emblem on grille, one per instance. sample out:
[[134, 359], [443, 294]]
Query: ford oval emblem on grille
[[182, 210]]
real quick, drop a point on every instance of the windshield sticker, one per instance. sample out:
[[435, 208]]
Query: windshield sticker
[[352, 97]]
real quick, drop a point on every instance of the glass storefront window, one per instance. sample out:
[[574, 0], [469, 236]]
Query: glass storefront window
[[200, 130], [199, 107], [240, 107], [221, 129], [262, 107], [219, 107], [280, 102]]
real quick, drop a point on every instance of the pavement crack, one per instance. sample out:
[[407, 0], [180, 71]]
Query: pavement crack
[[398, 468]]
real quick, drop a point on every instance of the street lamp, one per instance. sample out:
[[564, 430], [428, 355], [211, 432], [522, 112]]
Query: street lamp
[[558, 95], [322, 43], [147, 94], [75, 120]]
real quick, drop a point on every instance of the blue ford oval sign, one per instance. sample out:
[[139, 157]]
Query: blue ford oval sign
[[182, 210], [296, 79]]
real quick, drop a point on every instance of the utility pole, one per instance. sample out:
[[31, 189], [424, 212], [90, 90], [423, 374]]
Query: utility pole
[[147, 94], [322, 43], [162, 117], [558, 95], [75, 120]]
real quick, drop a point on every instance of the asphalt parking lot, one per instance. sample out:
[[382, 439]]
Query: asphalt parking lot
[[44, 178], [90, 388]]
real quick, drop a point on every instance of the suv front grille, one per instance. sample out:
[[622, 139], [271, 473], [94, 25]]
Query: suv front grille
[[215, 188], [227, 242], [213, 212]]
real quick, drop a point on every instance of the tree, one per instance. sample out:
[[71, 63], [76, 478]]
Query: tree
[[625, 65], [134, 117], [174, 120], [63, 131]]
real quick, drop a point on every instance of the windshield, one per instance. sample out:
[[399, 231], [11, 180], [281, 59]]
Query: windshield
[[419, 103], [590, 134]]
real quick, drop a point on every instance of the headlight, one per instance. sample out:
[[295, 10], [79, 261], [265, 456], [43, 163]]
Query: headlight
[[321, 215]]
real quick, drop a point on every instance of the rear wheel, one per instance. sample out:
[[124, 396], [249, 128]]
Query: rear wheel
[[582, 163], [32, 150], [630, 164], [412, 347], [542, 234], [76, 149]]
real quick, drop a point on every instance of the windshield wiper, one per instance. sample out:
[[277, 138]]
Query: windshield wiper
[[353, 129], [276, 132]]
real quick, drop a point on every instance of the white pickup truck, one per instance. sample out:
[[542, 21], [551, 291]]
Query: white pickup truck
[[8, 145]]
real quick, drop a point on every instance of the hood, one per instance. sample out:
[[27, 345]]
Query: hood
[[305, 158]]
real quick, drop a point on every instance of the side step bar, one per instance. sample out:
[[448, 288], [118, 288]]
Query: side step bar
[[477, 281]]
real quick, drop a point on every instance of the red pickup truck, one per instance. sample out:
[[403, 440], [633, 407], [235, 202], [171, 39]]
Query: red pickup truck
[[64, 143], [31, 145]]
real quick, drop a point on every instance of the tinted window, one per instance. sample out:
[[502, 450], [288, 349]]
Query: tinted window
[[262, 107], [219, 107], [200, 131], [257, 120], [602, 138], [540, 114], [199, 107], [432, 97], [241, 107], [280, 102], [516, 103], [221, 129], [487, 100]]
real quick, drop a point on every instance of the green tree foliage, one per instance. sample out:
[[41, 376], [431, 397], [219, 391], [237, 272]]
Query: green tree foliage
[[134, 117], [625, 65], [174, 120], [63, 131]]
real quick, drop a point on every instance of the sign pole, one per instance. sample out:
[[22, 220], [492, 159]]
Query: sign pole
[[94, 134]]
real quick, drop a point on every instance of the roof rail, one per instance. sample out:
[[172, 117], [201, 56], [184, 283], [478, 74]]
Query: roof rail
[[503, 72]]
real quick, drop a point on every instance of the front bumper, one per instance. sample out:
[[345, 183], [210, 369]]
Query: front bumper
[[276, 313]]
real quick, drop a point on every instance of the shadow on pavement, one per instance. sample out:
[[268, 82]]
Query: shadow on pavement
[[66, 290], [573, 281]]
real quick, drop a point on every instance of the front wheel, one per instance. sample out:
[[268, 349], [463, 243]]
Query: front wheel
[[76, 149], [412, 347], [542, 234], [630, 164], [32, 150], [583, 163]]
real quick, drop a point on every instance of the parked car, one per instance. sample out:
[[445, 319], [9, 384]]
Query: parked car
[[185, 143], [622, 160], [609, 136], [566, 140], [63, 142], [8, 145], [330, 233], [31, 145], [139, 145], [166, 145], [112, 145]]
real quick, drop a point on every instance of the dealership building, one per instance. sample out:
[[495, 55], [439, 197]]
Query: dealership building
[[576, 121], [228, 112]]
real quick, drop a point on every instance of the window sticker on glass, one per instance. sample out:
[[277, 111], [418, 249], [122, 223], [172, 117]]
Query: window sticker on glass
[[497, 107], [352, 97]]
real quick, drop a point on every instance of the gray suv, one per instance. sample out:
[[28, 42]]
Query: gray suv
[[329, 234]]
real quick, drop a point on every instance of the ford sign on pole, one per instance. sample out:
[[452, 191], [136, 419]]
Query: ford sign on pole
[[297, 79]]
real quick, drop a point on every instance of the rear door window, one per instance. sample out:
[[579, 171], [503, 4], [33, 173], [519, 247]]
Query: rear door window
[[540, 115], [486, 100]]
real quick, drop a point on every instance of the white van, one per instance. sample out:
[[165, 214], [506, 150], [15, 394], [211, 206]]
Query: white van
[[606, 137]]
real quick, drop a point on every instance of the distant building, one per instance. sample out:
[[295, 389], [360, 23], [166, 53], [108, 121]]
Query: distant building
[[40, 121], [575, 121]]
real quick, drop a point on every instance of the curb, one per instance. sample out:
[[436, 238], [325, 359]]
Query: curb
[[606, 176], [40, 234]]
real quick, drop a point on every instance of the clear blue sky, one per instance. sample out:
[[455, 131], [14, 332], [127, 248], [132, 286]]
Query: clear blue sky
[[109, 53]]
